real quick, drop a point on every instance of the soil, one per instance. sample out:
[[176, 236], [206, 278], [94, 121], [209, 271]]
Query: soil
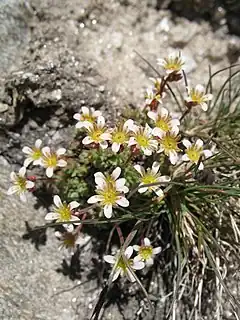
[[55, 59]]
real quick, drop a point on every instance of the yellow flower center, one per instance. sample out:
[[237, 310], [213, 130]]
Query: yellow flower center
[[146, 252], [163, 124], [148, 178], [169, 143], [173, 64], [64, 212], [21, 182], [88, 118], [37, 154], [196, 96], [109, 194], [122, 265], [142, 140], [96, 134], [50, 160], [194, 153], [119, 137]]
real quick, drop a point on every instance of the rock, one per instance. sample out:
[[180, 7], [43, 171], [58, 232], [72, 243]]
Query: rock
[[179, 37], [3, 107], [15, 17]]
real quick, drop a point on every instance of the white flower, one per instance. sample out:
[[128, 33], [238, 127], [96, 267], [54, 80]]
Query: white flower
[[69, 240], [33, 155], [103, 181], [51, 160], [163, 121], [194, 151], [20, 184], [157, 82], [152, 175], [110, 191], [150, 96], [121, 267], [169, 144], [196, 96], [120, 135], [97, 133], [62, 212], [146, 252], [172, 63], [86, 116], [143, 139]]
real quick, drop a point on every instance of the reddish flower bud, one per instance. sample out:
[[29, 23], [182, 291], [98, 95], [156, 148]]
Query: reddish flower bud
[[32, 178]]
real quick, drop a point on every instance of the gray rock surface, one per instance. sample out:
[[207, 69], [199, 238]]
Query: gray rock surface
[[30, 287]]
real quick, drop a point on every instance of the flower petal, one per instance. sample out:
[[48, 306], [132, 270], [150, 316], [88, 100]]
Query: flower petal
[[155, 167], [50, 216], [186, 143], [61, 163], [103, 144], [199, 88], [201, 166], [29, 184], [173, 157], [61, 151], [107, 210], [23, 197], [128, 252], [38, 143], [136, 248], [109, 259], [163, 112], [149, 262], [46, 151], [87, 140], [22, 172], [128, 124], [13, 176], [77, 116], [122, 201], [120, 183], [185, 157], [204, 106], [132, 141], [115, 147], [138, 265], [85, 111], [74, 205], [207, 153], [139, 169], [199, 143], [116, 173], [158, 132], [157, 250], [146, 242], [27, 161], [142, 189], [116, 274], [57, 201], [152, 115], [12, 190], [27, 150], [94, 199], [159, 192], [101, 122], [49, 172], [69, 227]]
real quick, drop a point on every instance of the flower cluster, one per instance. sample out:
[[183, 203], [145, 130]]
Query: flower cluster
[[151, 145], [124, 265], [110, 191]]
